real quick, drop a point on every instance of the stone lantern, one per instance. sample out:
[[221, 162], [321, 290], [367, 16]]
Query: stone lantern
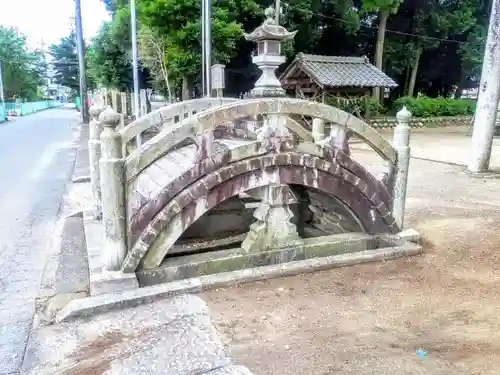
[[268, 37]]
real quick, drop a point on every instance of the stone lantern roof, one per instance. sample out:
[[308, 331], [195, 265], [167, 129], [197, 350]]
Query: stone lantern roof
[[269, 30]]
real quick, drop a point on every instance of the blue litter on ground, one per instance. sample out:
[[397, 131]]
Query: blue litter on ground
[[421, 353]]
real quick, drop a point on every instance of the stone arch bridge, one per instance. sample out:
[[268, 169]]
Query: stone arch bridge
[[225, 184]]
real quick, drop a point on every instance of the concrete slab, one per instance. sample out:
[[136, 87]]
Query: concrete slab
[[130, 298], [196, 265], [73, 275], [174, 337], [82, 167], [102, 282]]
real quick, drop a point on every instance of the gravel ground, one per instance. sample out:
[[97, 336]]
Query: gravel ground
[[433, 314]]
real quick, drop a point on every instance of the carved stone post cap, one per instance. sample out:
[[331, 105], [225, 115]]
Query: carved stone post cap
[[109, 118], [95, 110], [404, 115]]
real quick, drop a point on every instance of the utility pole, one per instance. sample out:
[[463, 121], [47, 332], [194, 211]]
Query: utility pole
[[208, 45], [135, 65], [203, 82], [488, 97], [81, 63], [2, 102], [277, 12], [42, 46]]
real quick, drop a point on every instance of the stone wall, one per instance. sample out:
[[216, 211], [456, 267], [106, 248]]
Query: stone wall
[[423, 122]]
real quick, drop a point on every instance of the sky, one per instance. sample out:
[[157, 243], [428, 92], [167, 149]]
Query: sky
[[50, 20]]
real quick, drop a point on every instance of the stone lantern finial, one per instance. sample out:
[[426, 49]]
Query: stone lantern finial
[[269, 13], [268, 37]]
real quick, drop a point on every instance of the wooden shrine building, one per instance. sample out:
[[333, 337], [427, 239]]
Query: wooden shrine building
[[335, 80]]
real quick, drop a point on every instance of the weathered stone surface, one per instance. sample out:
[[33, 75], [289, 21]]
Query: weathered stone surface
[[231, 370], [94, 146], [102, 281], [211, 118], [104, 303], [273, 228], [214, 262], [150, 204], [173, 336], [402, 144], [330, 215], [112, 191], [360, 196]]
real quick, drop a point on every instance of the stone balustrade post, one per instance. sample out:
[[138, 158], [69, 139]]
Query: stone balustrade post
[[95, 130], [402, 144], [143, 102], [115, 95], [112, 191], [318, 129], [123, 98]]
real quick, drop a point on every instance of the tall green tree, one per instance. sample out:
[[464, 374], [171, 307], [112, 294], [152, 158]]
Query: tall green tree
[[109, 62], [180, 24], [23, 70], [434, 22], [384, 8], [65, 62]]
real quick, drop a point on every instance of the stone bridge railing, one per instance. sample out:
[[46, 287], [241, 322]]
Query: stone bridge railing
[[111, 167]]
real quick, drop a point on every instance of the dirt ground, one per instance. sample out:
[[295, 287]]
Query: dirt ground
[[438, 313]]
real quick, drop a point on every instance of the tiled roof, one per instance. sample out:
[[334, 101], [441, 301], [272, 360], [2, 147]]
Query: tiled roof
[[339, 71]]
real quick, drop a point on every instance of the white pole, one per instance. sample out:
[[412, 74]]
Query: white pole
[[80, 45], [208, 45], [203, 82], [277, 12], [135, 65], [2, 102], [488, 96]]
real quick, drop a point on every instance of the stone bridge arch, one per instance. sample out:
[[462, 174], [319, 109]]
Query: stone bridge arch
[[225, 169], [360, 194], [203, 123], [258, 153], [175, 113]]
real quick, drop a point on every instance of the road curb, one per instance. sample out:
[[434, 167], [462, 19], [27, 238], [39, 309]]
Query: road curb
[[48, 284]]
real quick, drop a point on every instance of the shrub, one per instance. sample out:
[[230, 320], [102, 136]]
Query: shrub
[[423, 106]]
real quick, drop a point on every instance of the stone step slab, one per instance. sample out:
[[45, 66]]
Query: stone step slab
[[174, 336]]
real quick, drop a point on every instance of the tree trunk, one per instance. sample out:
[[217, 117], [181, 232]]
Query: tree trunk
[[407, 80], [379, 51], [458, 91], [414, 71], [187, 88]]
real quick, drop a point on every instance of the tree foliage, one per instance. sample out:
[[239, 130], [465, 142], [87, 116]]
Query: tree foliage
[[153, 55], [433, 47], [65, 62], [109, 63], [179, 23], [23, 70]]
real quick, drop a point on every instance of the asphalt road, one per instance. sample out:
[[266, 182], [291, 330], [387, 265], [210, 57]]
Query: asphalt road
[[36, 160]]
